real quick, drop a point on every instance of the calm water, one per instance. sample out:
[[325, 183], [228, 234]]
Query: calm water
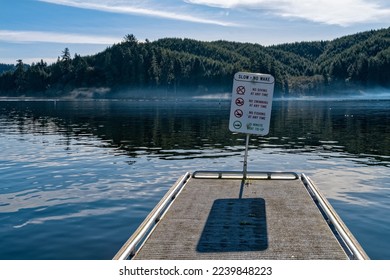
[[78, 177]]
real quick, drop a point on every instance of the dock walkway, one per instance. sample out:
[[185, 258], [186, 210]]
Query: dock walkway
[[213, 217]]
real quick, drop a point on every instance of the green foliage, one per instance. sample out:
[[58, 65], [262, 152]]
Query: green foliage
[[173, 64], [6, 67]]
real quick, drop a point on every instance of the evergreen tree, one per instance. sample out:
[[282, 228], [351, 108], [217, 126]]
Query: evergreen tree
[[20, 77], [362, 59]]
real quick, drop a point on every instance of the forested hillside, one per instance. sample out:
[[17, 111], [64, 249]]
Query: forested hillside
[[175, 65], [6, 67]]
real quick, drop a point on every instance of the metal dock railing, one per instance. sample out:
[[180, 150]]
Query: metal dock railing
[[221, 215]]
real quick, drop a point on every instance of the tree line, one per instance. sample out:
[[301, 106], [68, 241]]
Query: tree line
[[171, 65]]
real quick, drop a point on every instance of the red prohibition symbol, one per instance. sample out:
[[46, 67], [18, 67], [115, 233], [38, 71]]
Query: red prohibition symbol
[[238, 113], [240, 90], [239, 101]]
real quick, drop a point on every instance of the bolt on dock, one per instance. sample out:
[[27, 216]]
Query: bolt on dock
[[226, 215]]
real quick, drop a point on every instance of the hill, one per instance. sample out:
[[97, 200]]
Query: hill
[[6, 67], [172, 65]]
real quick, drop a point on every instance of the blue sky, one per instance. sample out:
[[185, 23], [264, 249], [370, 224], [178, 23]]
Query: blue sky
[[32, 30]]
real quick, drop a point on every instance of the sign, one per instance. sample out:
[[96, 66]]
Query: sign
[[250, 110]]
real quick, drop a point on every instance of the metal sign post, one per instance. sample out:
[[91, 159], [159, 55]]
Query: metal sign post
[[244, 171], [251, 104]]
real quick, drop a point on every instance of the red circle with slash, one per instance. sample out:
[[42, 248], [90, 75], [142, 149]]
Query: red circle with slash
[[240, 90], [239, 102], [238, 113]]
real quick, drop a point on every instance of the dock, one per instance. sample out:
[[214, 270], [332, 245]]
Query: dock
[[226, 215]]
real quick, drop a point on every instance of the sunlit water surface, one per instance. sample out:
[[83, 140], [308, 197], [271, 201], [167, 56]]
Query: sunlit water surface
[[78, 177]]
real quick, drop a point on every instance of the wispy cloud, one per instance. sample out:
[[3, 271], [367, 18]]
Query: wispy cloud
[[146, 8], [343, 13], [52, 37]]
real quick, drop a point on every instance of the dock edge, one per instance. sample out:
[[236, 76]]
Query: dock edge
[[350, 245]]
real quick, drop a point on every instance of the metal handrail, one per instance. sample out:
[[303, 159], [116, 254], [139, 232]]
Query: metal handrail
[[151, 220], [347, 237], [251, 175]]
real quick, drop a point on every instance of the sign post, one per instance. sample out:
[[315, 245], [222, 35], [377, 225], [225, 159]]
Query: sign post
[[250, 110], [246, 156]]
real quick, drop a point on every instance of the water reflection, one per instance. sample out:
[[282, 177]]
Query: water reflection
[[101, 166], [353, 126], [356, 127]]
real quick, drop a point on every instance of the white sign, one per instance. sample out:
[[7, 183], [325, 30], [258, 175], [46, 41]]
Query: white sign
[[250, 110]]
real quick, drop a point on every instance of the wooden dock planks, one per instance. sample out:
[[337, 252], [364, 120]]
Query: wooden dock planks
[[224, 219]]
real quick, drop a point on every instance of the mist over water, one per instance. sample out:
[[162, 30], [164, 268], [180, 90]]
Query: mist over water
[[79, 176]]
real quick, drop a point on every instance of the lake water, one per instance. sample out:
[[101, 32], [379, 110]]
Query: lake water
[[78, 177]]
